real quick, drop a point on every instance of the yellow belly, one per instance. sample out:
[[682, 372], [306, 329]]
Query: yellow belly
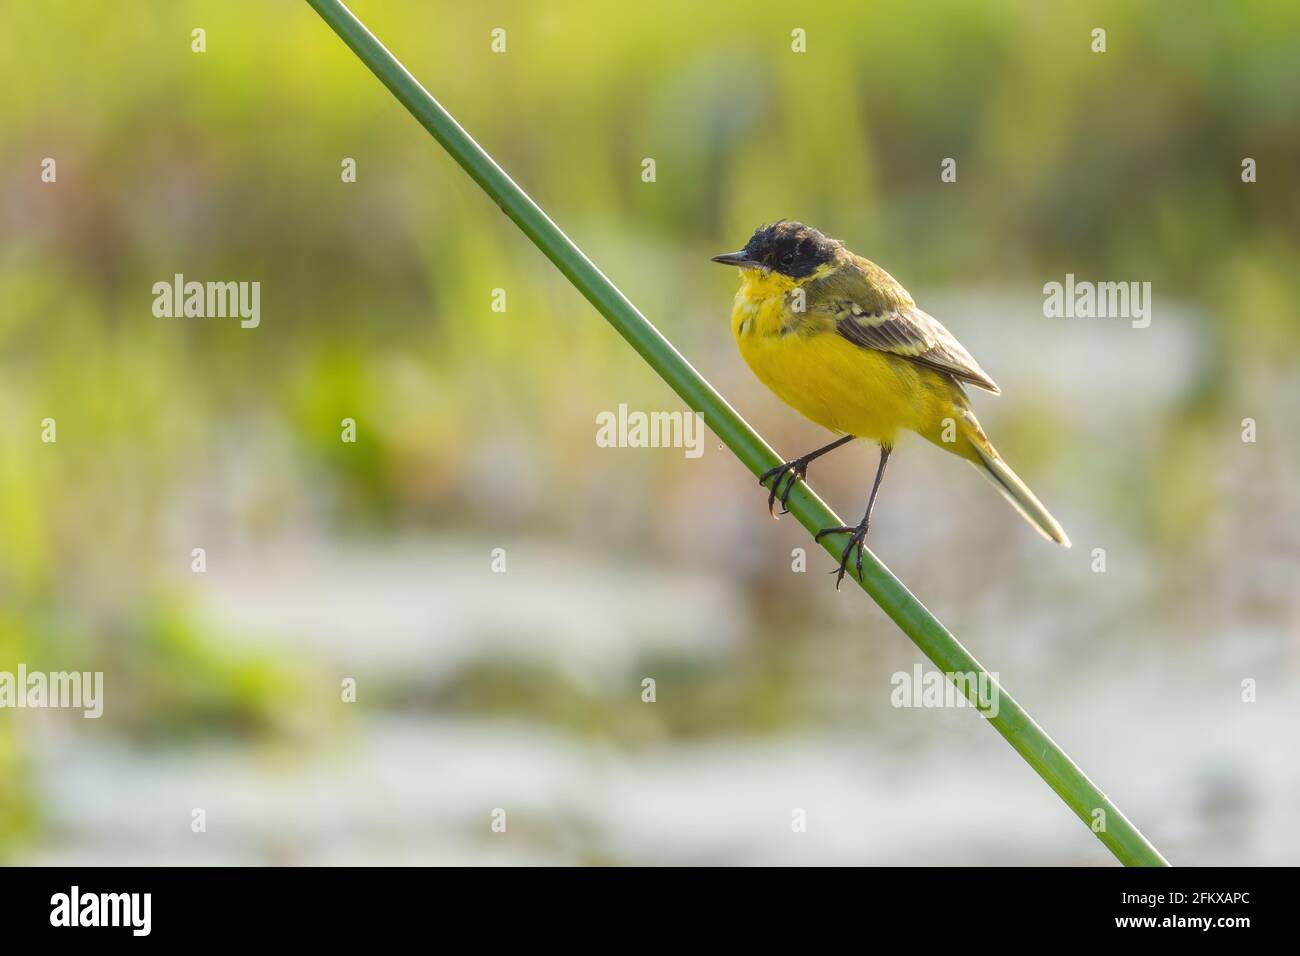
[[840, 386]]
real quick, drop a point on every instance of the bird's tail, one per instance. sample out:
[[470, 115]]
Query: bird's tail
[[990, 464]]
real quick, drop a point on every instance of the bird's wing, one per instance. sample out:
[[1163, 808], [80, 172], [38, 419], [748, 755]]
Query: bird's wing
[[873, 311]]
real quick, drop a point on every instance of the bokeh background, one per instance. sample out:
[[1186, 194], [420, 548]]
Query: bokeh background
[[476, 430]]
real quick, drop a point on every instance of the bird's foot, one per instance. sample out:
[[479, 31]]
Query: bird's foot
[[857, 540], [789, 472]]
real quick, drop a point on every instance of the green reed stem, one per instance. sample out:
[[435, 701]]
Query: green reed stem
[[945, 651]]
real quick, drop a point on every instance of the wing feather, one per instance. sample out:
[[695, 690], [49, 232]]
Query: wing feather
[[873, 311]]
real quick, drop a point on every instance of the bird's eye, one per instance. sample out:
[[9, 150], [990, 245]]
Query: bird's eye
[[787, 257]]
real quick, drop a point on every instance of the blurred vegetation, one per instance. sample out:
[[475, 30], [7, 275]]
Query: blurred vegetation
[[376, 296]]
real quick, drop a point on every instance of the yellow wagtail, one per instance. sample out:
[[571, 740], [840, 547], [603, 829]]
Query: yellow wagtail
[[837, 338]]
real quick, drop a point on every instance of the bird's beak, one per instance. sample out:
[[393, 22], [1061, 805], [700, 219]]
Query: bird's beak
[[736, 259]]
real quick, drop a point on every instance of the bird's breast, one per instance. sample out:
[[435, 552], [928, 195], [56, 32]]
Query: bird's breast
[[760, 305], [820, 374]]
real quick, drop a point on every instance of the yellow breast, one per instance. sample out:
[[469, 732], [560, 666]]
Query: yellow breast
[[840, 386]]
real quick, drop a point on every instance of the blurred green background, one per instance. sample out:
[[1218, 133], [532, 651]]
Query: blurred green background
[[476, 430]]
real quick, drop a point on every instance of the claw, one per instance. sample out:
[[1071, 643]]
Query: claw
[[798, 473], [789, 472], [857, 537]]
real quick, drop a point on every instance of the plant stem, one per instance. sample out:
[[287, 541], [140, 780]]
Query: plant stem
[[945, 651]]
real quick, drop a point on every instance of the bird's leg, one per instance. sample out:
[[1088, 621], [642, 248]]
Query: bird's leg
[[857, 535], [792, 471]]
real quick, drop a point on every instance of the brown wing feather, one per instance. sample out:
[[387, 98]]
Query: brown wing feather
[[916, 335], [872, 310]]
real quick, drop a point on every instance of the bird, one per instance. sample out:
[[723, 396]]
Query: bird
[[841, 341]]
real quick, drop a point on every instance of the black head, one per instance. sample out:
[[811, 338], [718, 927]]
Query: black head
[[790, 248]]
